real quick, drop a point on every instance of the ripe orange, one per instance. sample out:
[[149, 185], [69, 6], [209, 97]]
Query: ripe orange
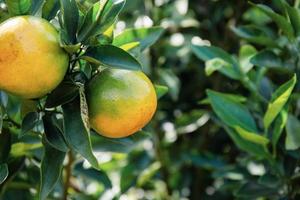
[[120, 102], [31, 61]]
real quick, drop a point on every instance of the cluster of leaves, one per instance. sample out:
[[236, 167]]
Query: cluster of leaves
[[264, 121], [39, 134]]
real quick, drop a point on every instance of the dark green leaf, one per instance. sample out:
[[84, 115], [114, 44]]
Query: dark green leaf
[[18, 7], [70, 16], [51, 168], [160, 90], [255, 34], [96, 175], [252, 190], [5, 145], [3, 172], [53, 132], [145, 36], [29, 122], [266, 58], [64, 93], [279, 99], [112, 56], [292, 140], [122, 145], [231, 112], [294, 15], [50, 9], [77, 133]]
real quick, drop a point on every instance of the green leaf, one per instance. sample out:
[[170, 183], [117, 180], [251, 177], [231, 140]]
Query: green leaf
[[251, 136], [148, 173], [50, 9], [3, 172], [278, 100], [53, 132], [281, 22], [29, 122], [218, 64], [121, 145], [255, 34], [251, 190], [292, 140], [266, 58], [64, 93], [245, 55], [294, 15], [100, 16], [36, 6], [206, 53], [161, 90], [96, 175], [279, 125], [5, 145], [112, 56], [18, 7], [145, 36], [51, 167], [70, 16], [77, 132], [231, 112]]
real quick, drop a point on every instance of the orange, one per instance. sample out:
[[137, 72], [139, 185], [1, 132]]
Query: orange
[[32, 63], [120, 102]]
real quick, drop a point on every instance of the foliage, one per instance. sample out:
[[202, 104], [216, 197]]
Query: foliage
[[226, 128]]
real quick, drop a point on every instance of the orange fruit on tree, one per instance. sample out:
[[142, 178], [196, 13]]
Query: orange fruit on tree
[[32, 63], [120, 102]]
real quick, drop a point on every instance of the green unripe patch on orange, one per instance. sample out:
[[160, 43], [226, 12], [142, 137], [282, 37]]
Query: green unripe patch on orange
[[120, 102]]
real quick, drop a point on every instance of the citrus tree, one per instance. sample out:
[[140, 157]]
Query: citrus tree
[[63, 71]]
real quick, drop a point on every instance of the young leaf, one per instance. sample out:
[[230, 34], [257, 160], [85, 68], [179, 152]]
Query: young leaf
[[76, 132], [231, 112], [281, 22], [148, 173], [279, 125], [70, 16], [218, 64], [101, 16], [292, 140], [50, 9], [29, 122], [3, 172], [279, 99], [145, 36], [250, 136], [112, 56], [53, 132], [161, 90], [245, 55], [18, 7], [51, 166]]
